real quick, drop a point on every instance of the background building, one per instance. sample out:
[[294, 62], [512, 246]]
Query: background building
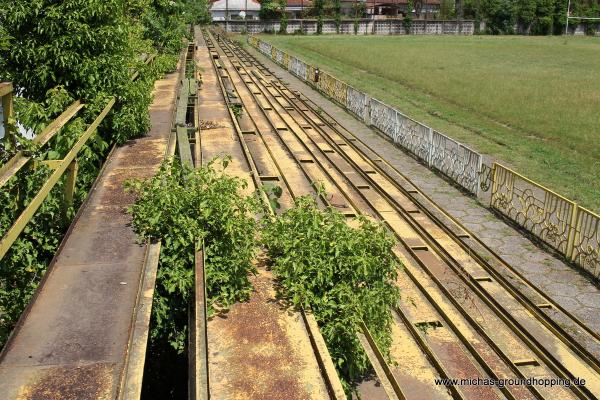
[[296, 9], [422, 9], [234, 9]]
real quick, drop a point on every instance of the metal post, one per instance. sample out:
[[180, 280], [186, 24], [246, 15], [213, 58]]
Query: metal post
[[70, 184], [430, 149], [567, 26], [511, 178], [574, 230], [494, 184], [479, 173], [9, 134]]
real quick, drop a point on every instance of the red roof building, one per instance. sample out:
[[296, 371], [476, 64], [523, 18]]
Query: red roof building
[[248, 9]]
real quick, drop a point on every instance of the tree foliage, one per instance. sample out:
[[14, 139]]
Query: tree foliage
[[536, 17], [344, 275], [499, 17], [269, 9], [446, 9], [319, 9], [180, 207], [283, 21], [407, 21], [337, 14], [56, 53], [89, 48]]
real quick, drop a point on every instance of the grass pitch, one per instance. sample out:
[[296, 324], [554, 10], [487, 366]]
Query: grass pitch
[[530, 102]]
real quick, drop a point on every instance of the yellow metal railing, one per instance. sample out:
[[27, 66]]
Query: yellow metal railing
[[6, 93], [585, 248], [559, 222], [13, 165], [333, 87], [67, 165]]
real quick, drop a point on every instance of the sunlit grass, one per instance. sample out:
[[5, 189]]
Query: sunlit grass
[[531, 102]]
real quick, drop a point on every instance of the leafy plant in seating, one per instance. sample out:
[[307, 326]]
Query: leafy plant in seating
[[180, 206], [345, 275]]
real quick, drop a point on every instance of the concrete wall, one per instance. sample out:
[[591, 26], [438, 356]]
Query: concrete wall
[[219, 15], [579, 30], [575, 30], [365, 27]]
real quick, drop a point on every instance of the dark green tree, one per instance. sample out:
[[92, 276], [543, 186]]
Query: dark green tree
[[585, 8], [407, 22], [89, 48], [269, 9], [544, 17], [319, 6], [472, 10], [525, 13], [447, 9], [4, 44], [337, 14], [283, 20], [359, 10], [559, 17], [499, 16], [197, 12], [164, 23]]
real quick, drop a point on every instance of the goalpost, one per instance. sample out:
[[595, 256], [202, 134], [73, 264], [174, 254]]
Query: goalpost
[[569, 17]]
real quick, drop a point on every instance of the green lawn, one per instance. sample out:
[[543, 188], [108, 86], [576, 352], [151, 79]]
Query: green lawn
[[530, 102]]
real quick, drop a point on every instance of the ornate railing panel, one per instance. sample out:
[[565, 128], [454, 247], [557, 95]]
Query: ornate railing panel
[[585, 248], [285, 61], [298, 68], [253, 41], [542, 212], [571, 230], [485, 178], [455, 160], [265, 48], [310, 73], [358, 103], [448, 156], [383, 117], [333, 87], [413, 136], [279, 56]]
